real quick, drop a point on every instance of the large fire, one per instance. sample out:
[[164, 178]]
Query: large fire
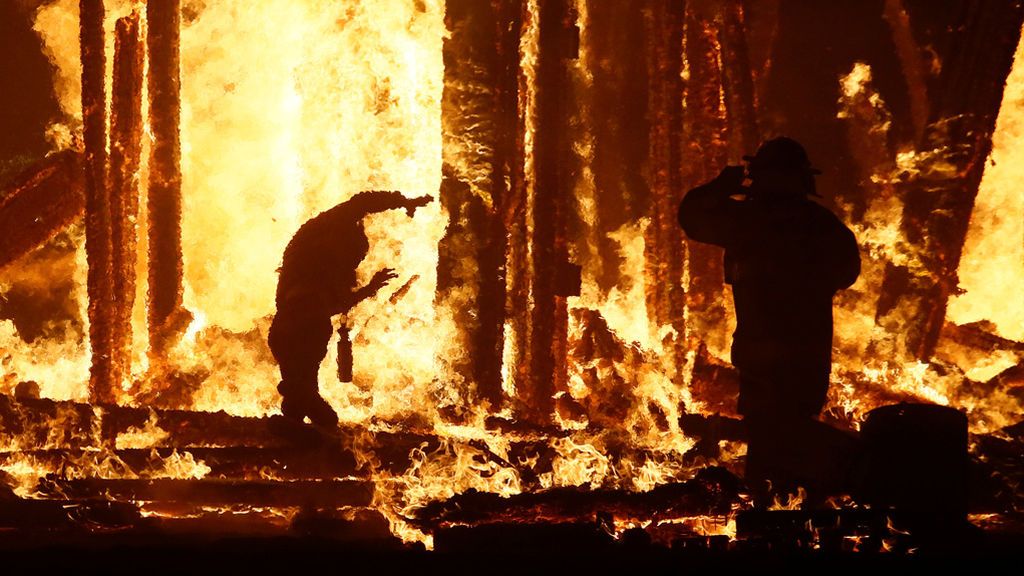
[[290, 107]]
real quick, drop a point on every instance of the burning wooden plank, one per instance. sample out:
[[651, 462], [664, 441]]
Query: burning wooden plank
[[31, 515], [41, 424], [125, 160], [39, 203], [312, 493], [237, 462], [164, 205]]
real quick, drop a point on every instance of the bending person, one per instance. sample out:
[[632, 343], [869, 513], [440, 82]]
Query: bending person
[[318, 281]]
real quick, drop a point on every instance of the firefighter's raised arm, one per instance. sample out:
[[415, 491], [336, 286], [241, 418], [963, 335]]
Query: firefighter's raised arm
[[708, 213]]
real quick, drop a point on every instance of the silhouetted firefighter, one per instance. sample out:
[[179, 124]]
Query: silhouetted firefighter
[[785, 257], [318, 281]]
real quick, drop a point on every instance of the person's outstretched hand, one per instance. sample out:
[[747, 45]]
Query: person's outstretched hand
[[381, 279], [413, 203]]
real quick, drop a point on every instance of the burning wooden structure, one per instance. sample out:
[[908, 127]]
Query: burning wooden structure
[[558, 351]]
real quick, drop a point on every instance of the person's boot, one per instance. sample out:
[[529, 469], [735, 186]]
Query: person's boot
[[297, 404], [321, 413]]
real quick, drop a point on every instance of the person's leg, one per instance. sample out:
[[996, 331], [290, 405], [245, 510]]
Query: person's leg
[[299, 341], [754, 405]]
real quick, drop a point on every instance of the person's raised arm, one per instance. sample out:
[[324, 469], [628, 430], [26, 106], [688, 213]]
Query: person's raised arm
[[373, 201], [708, 213]]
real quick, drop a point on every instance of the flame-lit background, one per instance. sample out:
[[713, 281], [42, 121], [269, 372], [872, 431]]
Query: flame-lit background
[[289, 107]]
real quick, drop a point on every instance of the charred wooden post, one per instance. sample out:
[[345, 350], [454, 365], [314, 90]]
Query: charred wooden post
[[939, 200], [909, 52], [705, 153], [510, 156], [664, 248], [479, 153], [125, 159], [737, 81], [164, 204], [618, 106], [39, 203], [97, 201], [557, 42], [515, 213], [761, 26]]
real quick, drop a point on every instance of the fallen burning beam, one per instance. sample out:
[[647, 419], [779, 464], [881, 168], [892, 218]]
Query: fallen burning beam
[[310, 493], [978, 336], [42, 423], [712, 492], [39, 203], [939, 200]]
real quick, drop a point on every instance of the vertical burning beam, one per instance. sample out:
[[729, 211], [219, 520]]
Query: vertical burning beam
[[549, 250], [506, 174], [516, 212], [164, 207], [913, 65], [705, 153], [125, 159], [664, 243], [737, 81], [479, 129], [97, 200], [615, 59]]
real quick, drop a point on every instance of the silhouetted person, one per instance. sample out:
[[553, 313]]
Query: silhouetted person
[[785, 257], [318, 281]]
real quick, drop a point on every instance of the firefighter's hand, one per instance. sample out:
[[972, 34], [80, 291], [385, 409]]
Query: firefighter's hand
[[381, 279], [413, 203], [732, 176]]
